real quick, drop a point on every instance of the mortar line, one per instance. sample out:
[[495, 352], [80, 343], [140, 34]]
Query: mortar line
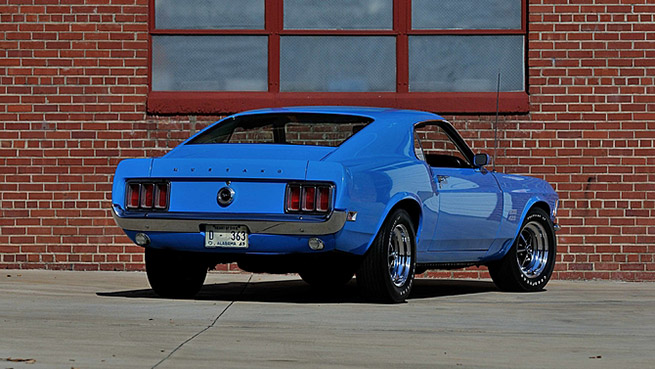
[[206, 328]]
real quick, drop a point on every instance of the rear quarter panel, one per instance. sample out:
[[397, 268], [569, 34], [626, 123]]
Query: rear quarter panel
[[128, 168], [381, 170], [372, 189]]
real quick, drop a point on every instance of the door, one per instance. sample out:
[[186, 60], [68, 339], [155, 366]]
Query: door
[[469, 199]]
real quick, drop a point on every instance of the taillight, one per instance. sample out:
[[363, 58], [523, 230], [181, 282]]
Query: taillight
[[147, 195], [323, 199], [161, 196], [293, 198], [309, 198], [133, 193]]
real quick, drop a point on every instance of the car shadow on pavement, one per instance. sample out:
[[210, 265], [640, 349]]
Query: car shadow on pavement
[[297, 291]]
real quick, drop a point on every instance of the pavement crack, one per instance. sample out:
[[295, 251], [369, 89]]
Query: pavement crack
[[206, 328]]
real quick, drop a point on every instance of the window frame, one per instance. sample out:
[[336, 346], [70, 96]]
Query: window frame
[[219, 102], [449, 131]]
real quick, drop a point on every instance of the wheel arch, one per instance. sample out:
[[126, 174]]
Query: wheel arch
[[541, 204], [407, 202], [532, 204]]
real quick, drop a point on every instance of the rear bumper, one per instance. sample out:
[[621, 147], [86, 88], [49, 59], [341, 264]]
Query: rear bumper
[[310, 227]]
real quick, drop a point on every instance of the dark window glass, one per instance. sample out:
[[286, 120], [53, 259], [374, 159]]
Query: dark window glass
[[338, 63], [209, 63], [338, 14], [291, 129], [209, 14], [466, 14], [466, 63]]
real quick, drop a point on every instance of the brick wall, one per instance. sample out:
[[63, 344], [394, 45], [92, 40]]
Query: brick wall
[[73, 86]]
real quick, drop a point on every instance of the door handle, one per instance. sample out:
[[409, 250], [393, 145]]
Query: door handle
[[442, 180]]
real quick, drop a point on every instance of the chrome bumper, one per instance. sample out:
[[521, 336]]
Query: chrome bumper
[[331, 225]]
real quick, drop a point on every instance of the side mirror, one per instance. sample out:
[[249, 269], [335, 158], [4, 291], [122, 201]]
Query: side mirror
[[480, 160]]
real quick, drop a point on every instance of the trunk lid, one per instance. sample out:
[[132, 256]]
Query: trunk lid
[[258, 174]]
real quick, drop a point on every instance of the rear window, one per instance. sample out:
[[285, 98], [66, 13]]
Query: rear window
[[288, 129]]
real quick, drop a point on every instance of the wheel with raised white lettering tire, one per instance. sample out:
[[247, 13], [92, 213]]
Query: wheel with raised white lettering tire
[[174, 274], [387, 272], [529, 263]]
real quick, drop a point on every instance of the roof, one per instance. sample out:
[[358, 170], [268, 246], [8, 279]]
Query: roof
[[377, 114], [390, 133]]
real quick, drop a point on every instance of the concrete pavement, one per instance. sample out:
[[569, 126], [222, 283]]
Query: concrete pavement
[[113, 320]]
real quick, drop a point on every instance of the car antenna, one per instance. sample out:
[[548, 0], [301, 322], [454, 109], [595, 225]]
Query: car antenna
[[496, 122]]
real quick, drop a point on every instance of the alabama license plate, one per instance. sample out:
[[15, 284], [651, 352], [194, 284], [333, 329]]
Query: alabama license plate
[[231, 236]]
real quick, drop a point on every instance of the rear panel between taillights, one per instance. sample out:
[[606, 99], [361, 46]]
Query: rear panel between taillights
[[248, 197]]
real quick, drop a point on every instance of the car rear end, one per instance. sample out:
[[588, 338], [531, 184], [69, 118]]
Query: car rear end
[[239, 198]]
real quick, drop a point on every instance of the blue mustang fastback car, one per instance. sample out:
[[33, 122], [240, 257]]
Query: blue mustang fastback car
[[329, 193]]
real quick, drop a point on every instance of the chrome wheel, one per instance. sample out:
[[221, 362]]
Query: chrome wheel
[[532, 249], [399, 255]]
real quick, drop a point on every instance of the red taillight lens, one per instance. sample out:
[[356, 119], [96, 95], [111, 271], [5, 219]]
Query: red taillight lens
[[293, 198], [133, 190], [309, 198], [144, 195], [147, 195], [323, 199], [161, 196]]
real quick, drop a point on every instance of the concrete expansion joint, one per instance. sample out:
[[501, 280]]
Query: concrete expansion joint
[[206, 328]]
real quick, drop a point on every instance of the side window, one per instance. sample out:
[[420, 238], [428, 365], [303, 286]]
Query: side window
[[437, 149]]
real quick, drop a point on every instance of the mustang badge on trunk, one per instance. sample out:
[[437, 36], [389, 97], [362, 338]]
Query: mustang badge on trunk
[[225, 196]]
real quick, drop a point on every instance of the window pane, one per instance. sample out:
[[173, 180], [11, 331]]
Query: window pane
[[466, 63], [438, 150], [337, 63], [209, 63], [209, 14], [466, 14], [338, 14], [280, 128]]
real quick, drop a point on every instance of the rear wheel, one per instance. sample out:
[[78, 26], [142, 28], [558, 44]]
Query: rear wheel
[[387, 271], [174, 274], [530, 261]]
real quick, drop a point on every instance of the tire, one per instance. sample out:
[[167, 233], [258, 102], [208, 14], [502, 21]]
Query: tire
[[328, 276], [387, 272], [529, 263], [174, 274]]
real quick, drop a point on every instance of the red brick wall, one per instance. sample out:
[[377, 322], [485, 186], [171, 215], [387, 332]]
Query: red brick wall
[[73, 85]]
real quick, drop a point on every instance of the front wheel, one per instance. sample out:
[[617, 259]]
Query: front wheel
[[530, 261], [174, 274], [387, 272]]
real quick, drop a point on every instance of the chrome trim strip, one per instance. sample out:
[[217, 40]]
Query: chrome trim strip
[[333, 224]]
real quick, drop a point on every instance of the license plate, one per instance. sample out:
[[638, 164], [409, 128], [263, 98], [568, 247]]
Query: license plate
[[232, 236]]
